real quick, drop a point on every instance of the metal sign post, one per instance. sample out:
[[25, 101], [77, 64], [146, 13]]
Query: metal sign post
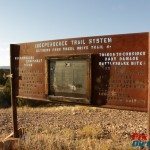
[[13, 99], [148, 130], [14, 112], [148, 103]]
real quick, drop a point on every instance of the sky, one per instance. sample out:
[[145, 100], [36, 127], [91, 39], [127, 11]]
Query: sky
[[35, 20]]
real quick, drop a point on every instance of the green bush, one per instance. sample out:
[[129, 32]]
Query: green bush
[[5, 98], [2, 79], [5, 95]]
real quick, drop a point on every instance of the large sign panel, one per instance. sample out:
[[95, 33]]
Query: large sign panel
[[110, 71]]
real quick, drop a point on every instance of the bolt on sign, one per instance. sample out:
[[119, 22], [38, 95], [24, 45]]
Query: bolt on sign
[[109, 70]]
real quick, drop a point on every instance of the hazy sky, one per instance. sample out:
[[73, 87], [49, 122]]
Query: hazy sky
[[34, 20]]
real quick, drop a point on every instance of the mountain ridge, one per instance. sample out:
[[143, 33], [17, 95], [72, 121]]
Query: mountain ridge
[[4, 67]]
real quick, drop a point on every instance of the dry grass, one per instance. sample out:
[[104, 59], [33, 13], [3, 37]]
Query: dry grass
[[74, 128], [67, 140], [1, 88]]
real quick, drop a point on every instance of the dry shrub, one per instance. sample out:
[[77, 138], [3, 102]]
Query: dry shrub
[[67, 134], [125, 145], [91, 144], [89, 131], [67, 139], [45, 142], [32, 142]]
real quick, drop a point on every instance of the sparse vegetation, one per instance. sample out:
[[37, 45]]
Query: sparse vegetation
[[2, 79], [75, 128], [5, 97]]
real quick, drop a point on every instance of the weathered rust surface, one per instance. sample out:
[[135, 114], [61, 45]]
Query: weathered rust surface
[[148, 133], [116, 74], [14, 50]]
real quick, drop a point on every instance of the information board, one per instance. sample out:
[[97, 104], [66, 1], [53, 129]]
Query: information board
[[109, 70]]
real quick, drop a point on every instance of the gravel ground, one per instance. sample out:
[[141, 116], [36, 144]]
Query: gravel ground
[[119, 123]]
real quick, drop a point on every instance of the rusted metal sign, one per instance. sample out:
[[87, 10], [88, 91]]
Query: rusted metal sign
[[110, 71]]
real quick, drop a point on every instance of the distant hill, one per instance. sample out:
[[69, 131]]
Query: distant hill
[[4, 67]]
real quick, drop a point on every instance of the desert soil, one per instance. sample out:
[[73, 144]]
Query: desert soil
[[111, 125]]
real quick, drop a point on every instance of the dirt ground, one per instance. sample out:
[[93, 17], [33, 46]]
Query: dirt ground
[[73, 125]]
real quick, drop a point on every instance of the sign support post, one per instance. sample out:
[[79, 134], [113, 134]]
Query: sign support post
[[148, 103], [14, 112], [13, 99]]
